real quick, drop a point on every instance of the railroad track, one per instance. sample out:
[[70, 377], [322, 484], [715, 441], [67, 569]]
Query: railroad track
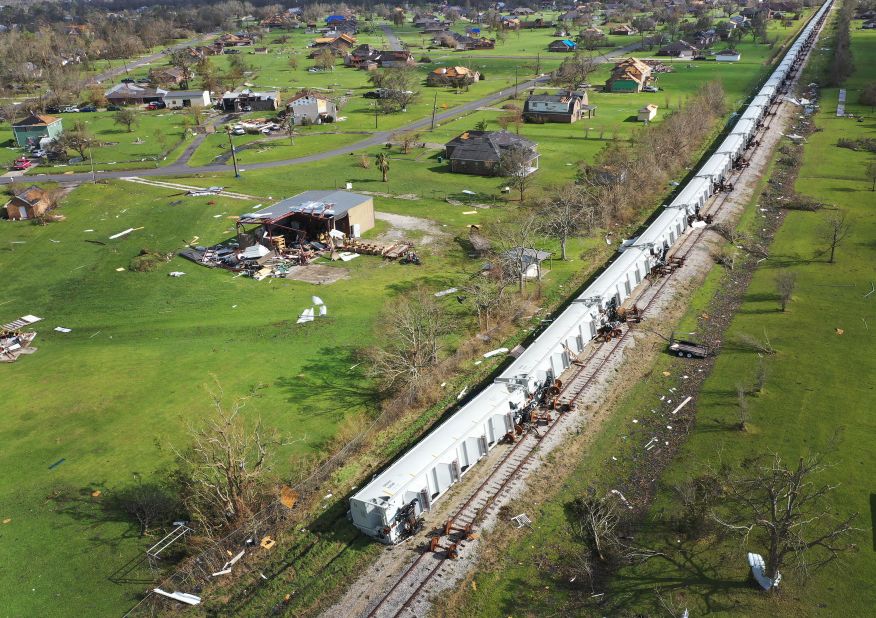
[[588, 370], [414, 579]]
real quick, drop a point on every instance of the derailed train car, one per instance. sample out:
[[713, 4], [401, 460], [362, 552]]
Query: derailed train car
[[389, 507]]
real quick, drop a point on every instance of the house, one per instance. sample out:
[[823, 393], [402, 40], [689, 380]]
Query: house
[[394, 58], [738, 20], [452, 76], [280, 20], [341, 43], [311, 108], [565, 106], [510, 23], [728, 55], [259, 50], [623, 30], [249, 101], [628, 75], [647, 113], [562, 45], [306, 216], [679, 49], [480, 152], [36, 127], [522, 11], [187, 98], [233, 40], [538, 22], [131, 94], [168, 76], [28, 204]]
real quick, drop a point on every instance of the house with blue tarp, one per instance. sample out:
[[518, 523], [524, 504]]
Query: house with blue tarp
[[563, 45]]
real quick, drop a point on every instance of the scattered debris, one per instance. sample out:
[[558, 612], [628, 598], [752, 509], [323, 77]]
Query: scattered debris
[[521, 520], [268, 542], [496, 352], [61, 329], [125, 232], [446, 292], [176, 273], [758, 571], [183, 597]]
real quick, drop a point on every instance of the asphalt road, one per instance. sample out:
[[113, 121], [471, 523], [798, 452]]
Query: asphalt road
[[179, 169], [112, 73], [394, 42]]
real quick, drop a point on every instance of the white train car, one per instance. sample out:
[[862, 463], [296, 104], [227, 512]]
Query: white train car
[[410, 485]]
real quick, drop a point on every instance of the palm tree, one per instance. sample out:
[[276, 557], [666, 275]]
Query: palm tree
[[383, 164]]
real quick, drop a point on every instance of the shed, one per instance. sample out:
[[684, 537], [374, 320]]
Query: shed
[[29, 131], [728, 55], [647, 113], [187, 98], [27, 204], [527, 259]]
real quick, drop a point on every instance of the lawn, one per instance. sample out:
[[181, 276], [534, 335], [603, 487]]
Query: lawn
[[816, 399]]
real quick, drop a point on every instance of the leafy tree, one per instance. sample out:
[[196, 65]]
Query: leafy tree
[[382, 162], [127, 118], [786, 280]]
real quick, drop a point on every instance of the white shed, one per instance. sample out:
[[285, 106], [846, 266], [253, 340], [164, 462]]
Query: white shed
[[176, 99]]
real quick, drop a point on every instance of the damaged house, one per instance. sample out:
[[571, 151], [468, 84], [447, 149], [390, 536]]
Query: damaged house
[[452, 76], [291, 232], [311, 108], [249, 101], [29, 203]]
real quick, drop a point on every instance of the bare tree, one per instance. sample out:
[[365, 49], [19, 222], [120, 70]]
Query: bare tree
[[223, 475], [742, 406], [563, 215], [488, 296], [410, 336], [515, 164], [574, 71], [406, 139], [871, 175], [784, 509], [786, 280], [78, 139], [833, 231], [516, 247]]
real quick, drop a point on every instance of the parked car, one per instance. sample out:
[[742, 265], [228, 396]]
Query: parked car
[[53, 109], [372, 94], [156, 105], [650, 89], [38, 153], [113, 108], [127, 80], [247, 108], [21, 163], [70, 109], [238, 131], [88, 108]]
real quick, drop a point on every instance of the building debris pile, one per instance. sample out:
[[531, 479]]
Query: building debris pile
[[658, 67], [14, 341]]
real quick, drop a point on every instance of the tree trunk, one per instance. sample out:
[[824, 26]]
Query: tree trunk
[[563, 248]]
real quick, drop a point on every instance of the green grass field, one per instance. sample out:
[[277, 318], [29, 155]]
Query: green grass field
[[816, 399]]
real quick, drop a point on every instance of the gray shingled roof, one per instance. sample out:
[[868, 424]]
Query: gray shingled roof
[[485, 145], [329, 202]]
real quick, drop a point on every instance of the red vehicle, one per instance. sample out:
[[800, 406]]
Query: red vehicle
[[21, 164], [151, 107]]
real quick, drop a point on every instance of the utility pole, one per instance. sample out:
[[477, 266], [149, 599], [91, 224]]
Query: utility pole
[[91, 156], [434, 108], [233, 154], [515, 82]]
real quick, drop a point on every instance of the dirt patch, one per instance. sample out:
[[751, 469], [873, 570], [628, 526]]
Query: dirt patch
[[318, 274], [403, 226]]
